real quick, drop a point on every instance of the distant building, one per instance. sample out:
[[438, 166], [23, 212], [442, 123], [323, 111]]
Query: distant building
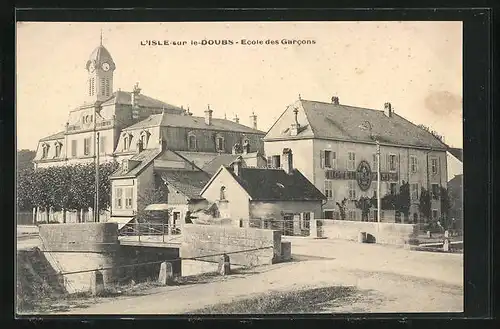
[[455, 193], [334, 143], [280, 198], [126, 121], [455, 162]]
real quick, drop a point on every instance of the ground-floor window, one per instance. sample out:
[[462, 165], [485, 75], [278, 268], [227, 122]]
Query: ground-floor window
[[434, 214], [328, 214], [306, 220]]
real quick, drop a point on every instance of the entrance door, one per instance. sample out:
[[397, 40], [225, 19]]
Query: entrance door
[[287, 224], [175, 220]]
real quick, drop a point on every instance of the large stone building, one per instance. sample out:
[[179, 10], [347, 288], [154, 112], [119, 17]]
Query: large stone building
[[331, 142], [124, 121]]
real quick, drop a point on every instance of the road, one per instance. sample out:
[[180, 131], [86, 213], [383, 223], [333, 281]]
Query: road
[[389, 279]]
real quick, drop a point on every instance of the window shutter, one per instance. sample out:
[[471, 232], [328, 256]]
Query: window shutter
[[322, 158], [387, 162], [269, 162], [331, 159]]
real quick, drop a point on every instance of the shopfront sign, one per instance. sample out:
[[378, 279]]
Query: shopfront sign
[[361, 176], [364, 175]]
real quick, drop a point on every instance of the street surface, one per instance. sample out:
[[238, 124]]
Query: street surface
[[390, 279]]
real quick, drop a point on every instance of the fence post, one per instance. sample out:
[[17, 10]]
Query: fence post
[[34, 216]]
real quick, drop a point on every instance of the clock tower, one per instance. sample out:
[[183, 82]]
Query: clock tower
[[100, 67]]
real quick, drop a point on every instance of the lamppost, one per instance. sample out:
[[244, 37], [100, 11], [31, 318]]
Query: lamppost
[[364, 126]]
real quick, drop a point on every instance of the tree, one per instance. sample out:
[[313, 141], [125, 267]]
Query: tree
[[403, 200], [342, 208], [389, 201], [424, 205], [445, 207], [25, 159], [364, 203]]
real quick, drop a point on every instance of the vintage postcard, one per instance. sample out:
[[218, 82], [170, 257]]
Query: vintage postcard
[[239, 167]]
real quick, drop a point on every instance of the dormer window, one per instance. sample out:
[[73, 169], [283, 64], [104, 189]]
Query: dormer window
[[145, 138], [45, 150], [58, 146], [219, 143], [127, 138], [191, 141]]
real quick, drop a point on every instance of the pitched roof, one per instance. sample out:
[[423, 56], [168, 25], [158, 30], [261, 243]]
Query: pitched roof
[[221, 160], [276, 185], [189, 183], [125, 98], [456, 152], [342, 122], [193, 122], [59, 135], [144, 158]]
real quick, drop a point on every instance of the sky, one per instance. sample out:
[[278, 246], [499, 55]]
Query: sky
[[416, 66]]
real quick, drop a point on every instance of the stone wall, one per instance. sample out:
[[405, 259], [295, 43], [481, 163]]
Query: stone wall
[[385, 233], [201, 240], [80, 247]]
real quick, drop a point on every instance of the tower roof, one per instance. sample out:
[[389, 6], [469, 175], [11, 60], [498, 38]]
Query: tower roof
[[99, 56]]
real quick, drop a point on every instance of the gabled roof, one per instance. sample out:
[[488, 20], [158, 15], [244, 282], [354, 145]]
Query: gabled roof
[[189, 183], [144, 158], [59, 135], [125, 98], [341, 122], [193, 122], [276, 185], [456, 152], [221, 160]]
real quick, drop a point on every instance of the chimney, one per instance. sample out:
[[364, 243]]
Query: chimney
[[237, 166], [388, 109], [335, 100], [246, 147], [236, 119], [134, 94], [253, 117], [208, 116], [163, 144], [294, 128], [287, 164], [140, 146]]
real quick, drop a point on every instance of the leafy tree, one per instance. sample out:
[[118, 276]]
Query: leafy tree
[[25, 159], [389, 201], [403, 200], [445, 206], [364, 203], [424, 205], [342, 208]]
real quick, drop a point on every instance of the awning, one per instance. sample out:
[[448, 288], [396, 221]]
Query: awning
[[157, 206], [121, 221]]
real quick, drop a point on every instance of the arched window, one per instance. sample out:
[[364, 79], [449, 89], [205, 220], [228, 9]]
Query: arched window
[[108, 88], [191, 141], [92, 86], [144, 137], [222, 193], [103, 86], [45, 151], [126, 141], [219, 143], [58, 146]]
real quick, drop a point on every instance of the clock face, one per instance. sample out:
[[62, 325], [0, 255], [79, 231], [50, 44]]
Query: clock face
[[105, 66]]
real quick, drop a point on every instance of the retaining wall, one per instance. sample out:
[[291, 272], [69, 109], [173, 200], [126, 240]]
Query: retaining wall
[[80, 247], [201, 240], [385, 233]]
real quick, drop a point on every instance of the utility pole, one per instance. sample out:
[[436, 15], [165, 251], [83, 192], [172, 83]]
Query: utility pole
[[96, 218], [378, 183]]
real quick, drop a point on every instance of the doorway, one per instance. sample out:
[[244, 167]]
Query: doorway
[[287, 228]]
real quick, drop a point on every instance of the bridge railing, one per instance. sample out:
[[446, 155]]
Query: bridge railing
[[149, 229]]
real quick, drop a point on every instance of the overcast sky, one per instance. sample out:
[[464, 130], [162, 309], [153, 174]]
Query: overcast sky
[[417, 66]]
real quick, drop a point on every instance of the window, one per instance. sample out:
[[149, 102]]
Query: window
[[435, 191], [352, 190], [102, 144], [92, 86], [128, 197], [413, 164], [86, 146], [351, 162], [434, 166], [329, 189], [392, 162], [393, 188], [274, 161], [74, 144], [118, 198], [306, 221], [222, 193], [45, 151], [145, 138], [58, 149], [126, 142], [108, 89], [434, 214], [192, 142], [328, 214], [414, 192], [103, 86], [374, 162], [219, 143], [328, 159]]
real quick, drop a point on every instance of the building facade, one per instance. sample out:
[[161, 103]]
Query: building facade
[[335, 148]]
